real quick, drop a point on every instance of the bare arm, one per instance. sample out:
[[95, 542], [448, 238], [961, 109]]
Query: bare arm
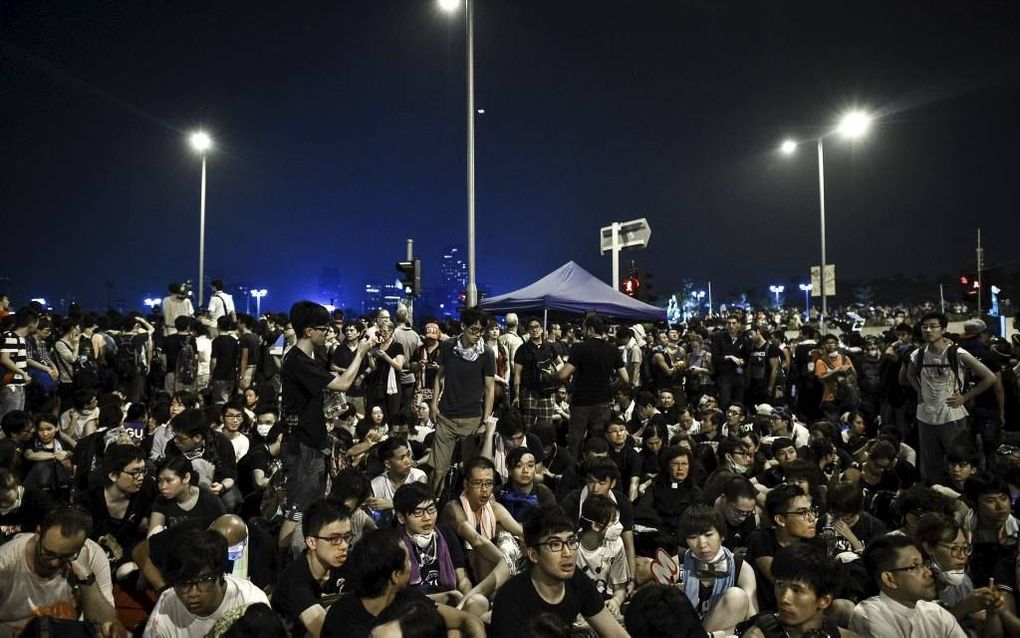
[[312, 618], [606, 625], [344, 381]]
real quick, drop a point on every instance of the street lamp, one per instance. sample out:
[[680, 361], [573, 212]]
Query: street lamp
[[201, 143], [852, 125], [776, 290], [258, 294], [449, 6], [698, 295], [807, 300]]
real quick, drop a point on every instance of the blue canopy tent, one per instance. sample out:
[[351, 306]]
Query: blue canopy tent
[[571, 288]]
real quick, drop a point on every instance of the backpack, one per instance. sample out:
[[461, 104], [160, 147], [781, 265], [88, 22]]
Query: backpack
[[83, 372], [187, 364], [545, 374], [952, 356], [647, 369], [128, 361]]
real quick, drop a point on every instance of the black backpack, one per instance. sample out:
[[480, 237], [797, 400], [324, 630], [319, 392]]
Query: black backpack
[[128, 358], [187, 364], [953, 358]]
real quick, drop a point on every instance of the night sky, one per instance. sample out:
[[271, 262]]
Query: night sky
[[340, 131]]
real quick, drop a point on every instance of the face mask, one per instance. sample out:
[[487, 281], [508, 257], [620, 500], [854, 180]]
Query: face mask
[[7, 510], [613, 531], [951, 577], [234, 552], [423, 540], [263, 429], [873, 353], [739, 468]]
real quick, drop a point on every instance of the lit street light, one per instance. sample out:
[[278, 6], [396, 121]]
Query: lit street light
[[851, 126], [259, 294], [449, 6], [807, 300], [152, 302], [776, 290], [201, 143]]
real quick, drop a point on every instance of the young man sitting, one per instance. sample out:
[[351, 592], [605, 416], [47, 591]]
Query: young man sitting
[[395, 456], [805, 584], [312, 582], [553, 584], [604, 563]]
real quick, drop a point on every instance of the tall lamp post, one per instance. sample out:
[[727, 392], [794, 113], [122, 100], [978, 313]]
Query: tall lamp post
[[698, 296], [201, 143], [852, 126], [776, 290], [449, 6], [807, 300], [259, 294]]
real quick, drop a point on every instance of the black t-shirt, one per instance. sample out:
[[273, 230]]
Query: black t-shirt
[[257, 458], [629, 462], [762, 544], [342, 357], [986, 400], [530, 357], [866, 529], [225, 351], [296, 589], [517, 600], [172, 346], [207, 509], [250, 343], [758, 362], [380, 376], [596, 362], [304, 379], [464, 381], [670, 499], [126, 531], [348, 618], [428, 562]]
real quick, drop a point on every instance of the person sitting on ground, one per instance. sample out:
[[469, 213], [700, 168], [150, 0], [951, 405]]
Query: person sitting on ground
[[713, 579], [604, 563], [180, 497], [351, 489], [521, 491], [480, 521], [314, 581], [672, 490], [904, 607], [201, 591], [854, 527], [742, 516], [792, 518], [662, 611], [553, 583], [211, 454], [733, 460], [395, 455], [806, 582], [380, 567], [59, 572]]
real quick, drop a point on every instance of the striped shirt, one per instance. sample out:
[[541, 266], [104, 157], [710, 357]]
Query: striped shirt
[[17, 348]]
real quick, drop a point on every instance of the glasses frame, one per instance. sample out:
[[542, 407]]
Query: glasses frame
[[336, 541], [46, 554], [811, 512], [958, 550], [202, 584], [421, 512], [557, 545], [910, 568]]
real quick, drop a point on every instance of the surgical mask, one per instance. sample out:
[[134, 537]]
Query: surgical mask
[[951, 577], [873, 352], [7, 510], [423, 540], [613, 531], [263, 429], [235, 552], [739, 468]]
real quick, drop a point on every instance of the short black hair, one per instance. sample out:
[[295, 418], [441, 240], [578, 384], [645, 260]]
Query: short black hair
[[599, 509], [15, 422], [600, 469], [544, 520], [321, 513], [937, 316], [307, 314], [181, 466], [471, 316], [883, 553], [70, 519], [595, 323], [844, 497], [699, 519], [738, 487], [183, 322], [373, 559], [409, 496], [260, 620], [199, 553], [192, 422], [217, 284], [117, 457], [389, 446], [348, 484], [662, 611], [479, 463], [807, 563], [779, 499], [981, 484], [781, 443]]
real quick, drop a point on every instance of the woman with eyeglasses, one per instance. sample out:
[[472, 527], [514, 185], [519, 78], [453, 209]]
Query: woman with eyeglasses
[[947, 548], [672, 490]]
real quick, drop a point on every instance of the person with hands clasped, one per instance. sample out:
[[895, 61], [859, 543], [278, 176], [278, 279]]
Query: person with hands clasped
[[833, 368]]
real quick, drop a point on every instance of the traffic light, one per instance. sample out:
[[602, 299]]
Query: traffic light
[[411, 273], [645, 294], [630, 285], [969, 287]]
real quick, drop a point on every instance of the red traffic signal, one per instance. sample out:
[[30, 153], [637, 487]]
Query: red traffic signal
[[630, 285]]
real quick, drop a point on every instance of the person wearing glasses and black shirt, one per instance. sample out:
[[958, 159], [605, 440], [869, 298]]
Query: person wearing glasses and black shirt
[[792, 518], [57, 572], [200, 591], [315, 580], [305, 374], [552, 584]]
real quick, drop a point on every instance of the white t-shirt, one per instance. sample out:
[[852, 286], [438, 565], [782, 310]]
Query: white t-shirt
[[938, 383], [171, 618], [606, 565], [882, 616], [23, 594], [382, 488], [220, 304]]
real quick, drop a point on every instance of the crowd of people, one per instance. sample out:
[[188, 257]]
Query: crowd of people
[[210, 473]]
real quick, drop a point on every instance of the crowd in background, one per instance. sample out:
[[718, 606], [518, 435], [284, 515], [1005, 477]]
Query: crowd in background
[[213, 473]]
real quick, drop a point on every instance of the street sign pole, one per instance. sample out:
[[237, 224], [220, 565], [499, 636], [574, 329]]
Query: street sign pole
[[618, 236], [616, 255]]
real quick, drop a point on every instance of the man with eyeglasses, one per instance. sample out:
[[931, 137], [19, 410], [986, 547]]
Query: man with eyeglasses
[[121, 507], [437, 558], [463, 394], [793, 519], [553, 585], [200, 592], [938, 372], [904, 607], [58, 572], [535, 365], [310, 584], [305, 374]]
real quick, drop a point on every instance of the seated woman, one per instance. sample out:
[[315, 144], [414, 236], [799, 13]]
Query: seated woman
[[718, 584], [180, 497], [522, 492], [653, 440], [673, 490]]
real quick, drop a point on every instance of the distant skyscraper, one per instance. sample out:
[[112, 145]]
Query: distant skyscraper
[[453, 279], [382, 296], [331, 291]]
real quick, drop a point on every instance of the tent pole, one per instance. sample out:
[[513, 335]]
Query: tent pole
[[545, 319]]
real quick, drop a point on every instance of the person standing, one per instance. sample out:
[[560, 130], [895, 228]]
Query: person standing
[[535, 380], [410, 341], [221, 304], [463, 393], [592, 363], [174, 305], [730, 353], [937, 371], [14, 361]]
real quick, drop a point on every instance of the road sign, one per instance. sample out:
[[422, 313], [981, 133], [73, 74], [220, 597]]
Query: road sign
[[630, 234], [830, 280]]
